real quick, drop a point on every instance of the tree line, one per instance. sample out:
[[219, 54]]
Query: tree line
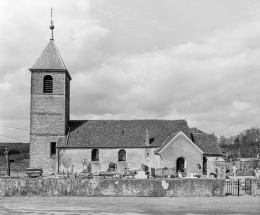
[[244, 145], [15, 148]]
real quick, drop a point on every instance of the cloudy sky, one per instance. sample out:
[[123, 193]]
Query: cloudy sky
[[197, 60]]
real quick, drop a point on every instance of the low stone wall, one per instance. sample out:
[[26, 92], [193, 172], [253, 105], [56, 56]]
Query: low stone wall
[[112, 187]]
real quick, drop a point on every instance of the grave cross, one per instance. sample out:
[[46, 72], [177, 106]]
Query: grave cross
[[6, 152]]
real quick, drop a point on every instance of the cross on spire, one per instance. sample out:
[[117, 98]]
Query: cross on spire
[[51, 26]]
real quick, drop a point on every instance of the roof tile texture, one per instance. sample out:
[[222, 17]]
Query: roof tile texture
[[122, 133], [207, 143], [50, 58]]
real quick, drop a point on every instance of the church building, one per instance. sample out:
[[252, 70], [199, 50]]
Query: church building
[[58, 144]]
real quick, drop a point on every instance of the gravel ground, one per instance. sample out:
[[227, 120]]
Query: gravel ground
[[129, 205]]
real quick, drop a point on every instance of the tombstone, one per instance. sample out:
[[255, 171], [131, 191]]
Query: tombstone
[[73, 175], [153, 172], [179, 174], [141, 175], [257, 173], [85, 166]]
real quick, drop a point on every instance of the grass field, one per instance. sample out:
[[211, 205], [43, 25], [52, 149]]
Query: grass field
[[14, 157], [18, 167]]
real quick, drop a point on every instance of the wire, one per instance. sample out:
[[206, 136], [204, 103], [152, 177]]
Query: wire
[[14, 138], [14, 127]]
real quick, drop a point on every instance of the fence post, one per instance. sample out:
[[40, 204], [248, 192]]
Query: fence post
[[238, 187], [250, 187]]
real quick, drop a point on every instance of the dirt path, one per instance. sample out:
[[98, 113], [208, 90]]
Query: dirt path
[[129, 205]]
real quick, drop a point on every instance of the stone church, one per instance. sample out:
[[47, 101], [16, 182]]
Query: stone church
[[58, 144]]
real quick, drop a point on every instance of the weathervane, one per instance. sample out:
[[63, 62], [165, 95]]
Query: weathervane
[[51, 26]]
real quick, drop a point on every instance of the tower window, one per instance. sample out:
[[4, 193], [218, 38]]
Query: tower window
[[53, 148], [48, 84], [122, 155], [95, 155]]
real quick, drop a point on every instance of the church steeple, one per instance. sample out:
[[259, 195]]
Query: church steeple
[[50, 106], [50, 58]]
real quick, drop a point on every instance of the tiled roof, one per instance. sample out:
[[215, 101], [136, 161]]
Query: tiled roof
[[122, 133], [50, 58], [207, 143], [195, 130], [168, 139]]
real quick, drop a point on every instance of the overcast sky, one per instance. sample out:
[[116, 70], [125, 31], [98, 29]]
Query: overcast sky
[[139, 59]]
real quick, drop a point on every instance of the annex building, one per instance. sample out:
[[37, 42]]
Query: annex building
[[58, 144]]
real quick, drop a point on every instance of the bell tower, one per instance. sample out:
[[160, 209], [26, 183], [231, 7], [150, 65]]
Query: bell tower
[[50, 106]]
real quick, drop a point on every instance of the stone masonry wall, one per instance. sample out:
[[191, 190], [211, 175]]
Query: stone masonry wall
[[40, 153], [113, 187], [46, 124], [49, 115], [59, 79]]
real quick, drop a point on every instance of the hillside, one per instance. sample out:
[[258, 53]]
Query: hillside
[[16, 148]]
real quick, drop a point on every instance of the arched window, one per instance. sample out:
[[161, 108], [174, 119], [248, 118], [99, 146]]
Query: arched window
[[47, 84], [95, 155], [122, 155]]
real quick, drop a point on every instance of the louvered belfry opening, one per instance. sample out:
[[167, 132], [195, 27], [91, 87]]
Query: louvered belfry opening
[[48, 84]]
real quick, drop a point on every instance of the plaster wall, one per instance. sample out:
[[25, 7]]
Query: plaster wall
[[181, 147], [75, 157]]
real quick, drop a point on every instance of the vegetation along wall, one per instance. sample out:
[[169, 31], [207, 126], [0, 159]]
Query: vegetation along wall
[[112, 187]]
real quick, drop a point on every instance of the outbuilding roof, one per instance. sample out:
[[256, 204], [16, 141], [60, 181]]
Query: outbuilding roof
[[121, 133], [207, 143]]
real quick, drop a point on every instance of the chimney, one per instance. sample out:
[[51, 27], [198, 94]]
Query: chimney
[[147, 137]]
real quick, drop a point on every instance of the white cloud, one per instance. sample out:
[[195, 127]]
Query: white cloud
[[128, 62], [211, 80]]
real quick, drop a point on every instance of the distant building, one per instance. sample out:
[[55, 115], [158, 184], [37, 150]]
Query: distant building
[[59, 144]]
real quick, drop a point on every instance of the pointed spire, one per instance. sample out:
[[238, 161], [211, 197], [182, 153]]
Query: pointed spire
[[50, 58], [51, 26]]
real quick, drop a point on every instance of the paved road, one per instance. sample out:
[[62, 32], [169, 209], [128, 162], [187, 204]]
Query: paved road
[[129, 205]]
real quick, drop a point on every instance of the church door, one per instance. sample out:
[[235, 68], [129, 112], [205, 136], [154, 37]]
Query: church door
[[180, 164]]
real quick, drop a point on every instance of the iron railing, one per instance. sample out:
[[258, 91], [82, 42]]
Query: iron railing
[[232, 187]]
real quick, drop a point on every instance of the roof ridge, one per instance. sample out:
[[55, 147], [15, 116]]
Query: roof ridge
[[59, 55], [127, 120]]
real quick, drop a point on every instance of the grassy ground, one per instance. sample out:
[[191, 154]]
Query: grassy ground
[[18, 168], [16, 157]]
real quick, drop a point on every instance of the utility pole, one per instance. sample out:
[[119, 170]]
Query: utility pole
[[6, 152]]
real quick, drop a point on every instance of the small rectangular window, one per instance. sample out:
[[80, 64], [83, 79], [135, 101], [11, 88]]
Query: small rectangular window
[[53, 148]]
